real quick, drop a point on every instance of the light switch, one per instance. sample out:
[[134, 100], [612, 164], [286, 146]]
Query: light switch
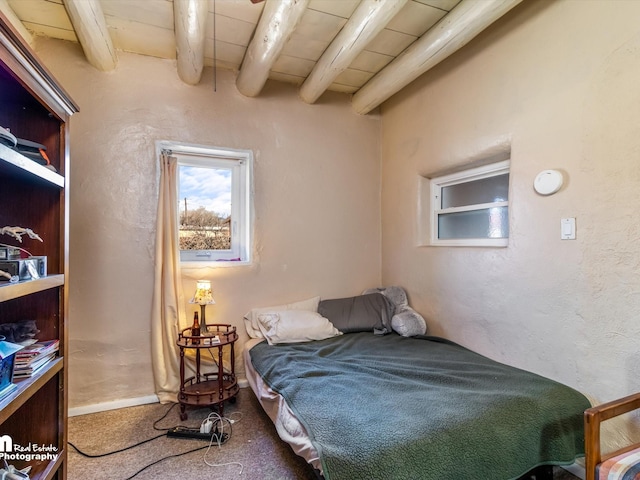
[[568, 229]]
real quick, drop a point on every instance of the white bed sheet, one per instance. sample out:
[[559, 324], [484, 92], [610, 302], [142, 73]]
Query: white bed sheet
[[287, 425]]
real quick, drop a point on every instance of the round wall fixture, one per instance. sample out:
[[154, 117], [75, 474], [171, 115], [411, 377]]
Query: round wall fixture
[[548, 182]]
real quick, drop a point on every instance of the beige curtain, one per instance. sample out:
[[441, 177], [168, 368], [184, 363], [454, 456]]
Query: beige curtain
[[167, 313]]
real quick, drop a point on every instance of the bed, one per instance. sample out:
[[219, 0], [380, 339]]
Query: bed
[[358, 405]]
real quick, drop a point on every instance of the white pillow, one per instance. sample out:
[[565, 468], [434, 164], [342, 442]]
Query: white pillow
[[251, 318], [292, 326]]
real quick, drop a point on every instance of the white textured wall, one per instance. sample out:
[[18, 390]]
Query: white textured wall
[[560, 82], [317, 204]]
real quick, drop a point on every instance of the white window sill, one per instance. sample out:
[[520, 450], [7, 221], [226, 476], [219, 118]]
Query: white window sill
[[216, 264]]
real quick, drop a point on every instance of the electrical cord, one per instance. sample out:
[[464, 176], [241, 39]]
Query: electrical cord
[[231, 420], [146, 466], [216, 427], [155, 424], [130, 446], [215, 362], [165, 458], [19, 248], [88, 455]]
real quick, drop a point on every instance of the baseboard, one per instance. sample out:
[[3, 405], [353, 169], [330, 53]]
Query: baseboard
[[127, 402], [103, 407]]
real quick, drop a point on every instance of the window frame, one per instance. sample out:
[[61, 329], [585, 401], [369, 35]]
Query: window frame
[[240, 162], [436, 184]]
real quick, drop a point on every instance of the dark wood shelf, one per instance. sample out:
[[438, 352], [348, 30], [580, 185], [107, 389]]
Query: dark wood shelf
[[50, 468], [29, 167], [10, 291], [36, 108], [27, 387], [47, 470]]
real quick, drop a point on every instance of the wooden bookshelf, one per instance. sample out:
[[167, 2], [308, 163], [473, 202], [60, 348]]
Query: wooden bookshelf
[[36, 108]]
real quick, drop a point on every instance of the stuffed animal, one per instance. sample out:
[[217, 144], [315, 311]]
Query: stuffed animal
[[405, 321], [19, 331]]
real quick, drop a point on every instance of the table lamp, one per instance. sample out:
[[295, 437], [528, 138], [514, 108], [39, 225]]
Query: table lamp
[[203, 297]]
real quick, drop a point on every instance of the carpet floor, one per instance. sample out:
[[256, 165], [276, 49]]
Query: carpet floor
[[253, 451]]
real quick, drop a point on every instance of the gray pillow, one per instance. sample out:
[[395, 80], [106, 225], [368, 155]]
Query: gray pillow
[[405, 320], [408, 323], [364, 313]]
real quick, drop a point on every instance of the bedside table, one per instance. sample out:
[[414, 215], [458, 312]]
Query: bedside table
[[213, 388]]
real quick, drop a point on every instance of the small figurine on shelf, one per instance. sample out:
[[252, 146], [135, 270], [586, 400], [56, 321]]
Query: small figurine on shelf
[[18, 232]]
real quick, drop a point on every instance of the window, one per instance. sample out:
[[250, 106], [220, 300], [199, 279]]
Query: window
[[214, 211], [471, 207]]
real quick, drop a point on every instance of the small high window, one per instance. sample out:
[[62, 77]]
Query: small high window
[[214, 210], [471, 207]]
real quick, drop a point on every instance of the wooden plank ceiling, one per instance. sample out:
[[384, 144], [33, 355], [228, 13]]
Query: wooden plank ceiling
[[369, 48]]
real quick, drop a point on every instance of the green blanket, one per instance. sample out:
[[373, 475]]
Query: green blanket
[[392, 407]]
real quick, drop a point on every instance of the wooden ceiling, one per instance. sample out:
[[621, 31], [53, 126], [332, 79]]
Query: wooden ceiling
[[369, 48]]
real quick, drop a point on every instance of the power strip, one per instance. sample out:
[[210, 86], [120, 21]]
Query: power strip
[[178, 432]]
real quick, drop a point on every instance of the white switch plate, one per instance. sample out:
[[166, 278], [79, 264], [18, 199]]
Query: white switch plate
[[568, 229]]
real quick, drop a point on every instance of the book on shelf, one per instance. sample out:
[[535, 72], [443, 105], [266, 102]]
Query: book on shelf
[[26, 371], [7, 390], [36, 349], [8, 352], [34, 357]]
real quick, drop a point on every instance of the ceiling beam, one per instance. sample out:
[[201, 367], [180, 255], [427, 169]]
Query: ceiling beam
[[190, 22], [15, 21], [455, 30], [278, 21], [91, 29], [365, 23]]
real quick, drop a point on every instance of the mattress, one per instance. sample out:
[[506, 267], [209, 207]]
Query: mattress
[[287, 425], [390, 407]]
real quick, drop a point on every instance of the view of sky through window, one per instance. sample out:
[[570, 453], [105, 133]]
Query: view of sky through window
[[205, 187]]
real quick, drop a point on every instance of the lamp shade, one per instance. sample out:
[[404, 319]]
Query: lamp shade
[[203, 295]]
